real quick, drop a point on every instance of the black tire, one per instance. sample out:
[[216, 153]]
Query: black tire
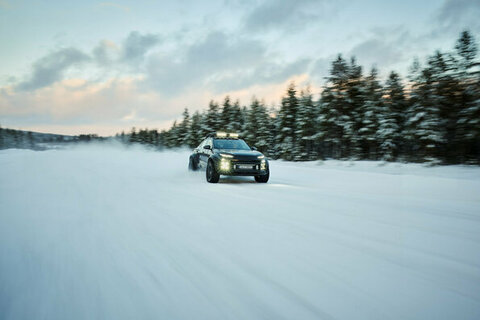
[[211, 173], [192, 165], [264, 178]]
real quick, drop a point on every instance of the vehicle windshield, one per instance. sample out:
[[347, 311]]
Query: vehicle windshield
[[230, 144]]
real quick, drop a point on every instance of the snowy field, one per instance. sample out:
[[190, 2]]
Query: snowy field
[[109, 233]]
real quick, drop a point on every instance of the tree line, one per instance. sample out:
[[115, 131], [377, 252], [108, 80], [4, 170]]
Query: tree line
[[20, 139], [432, 115]]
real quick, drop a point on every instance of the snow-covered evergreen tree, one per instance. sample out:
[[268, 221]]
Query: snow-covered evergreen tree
[[243, 120], [331, 110], [252, 122], [392, 118], [306, 127], [286, 121], [369, 111], [195, 133], [235, 121], [423, 132], [257, 126], [354, 111], [184, 129], [225, 115], [212, 121], [172, 140], [133, 135], [468, 123]]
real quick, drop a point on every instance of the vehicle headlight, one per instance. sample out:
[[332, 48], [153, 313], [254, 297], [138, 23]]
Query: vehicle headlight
[[225, 155], [263, 165], [224, 164], [261, 157]]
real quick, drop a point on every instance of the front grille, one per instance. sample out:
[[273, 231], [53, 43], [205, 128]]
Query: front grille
[[245, 161], [252, 165]]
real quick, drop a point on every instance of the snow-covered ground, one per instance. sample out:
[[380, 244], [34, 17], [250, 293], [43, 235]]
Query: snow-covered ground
[[110, 233]]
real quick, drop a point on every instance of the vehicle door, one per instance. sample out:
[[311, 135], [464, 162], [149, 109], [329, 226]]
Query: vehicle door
[[205, 152], [197, 151]]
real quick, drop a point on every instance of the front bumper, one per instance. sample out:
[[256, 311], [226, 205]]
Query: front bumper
[[234, 167]]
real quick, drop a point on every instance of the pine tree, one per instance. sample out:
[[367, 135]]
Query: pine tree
[[195, 133], [212, 119], [392, 118], [184, 129], [422, 128], [468, 123], [286, 132], [354, 111], [257, 126], [235, 120], [163, 138], [252, 122], [369, 111], [243, 121], [266, 134], [155, 138], [332, 110], [133, 136], [172, 140], [226, 115], [306, 126]]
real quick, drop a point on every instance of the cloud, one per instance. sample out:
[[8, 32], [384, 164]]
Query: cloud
[[377, 52], [51, 68], [219, 62], [320, 69], [286, 14], [266, 73], [387, 48], [136, 45], [131, 52], [459, 14], [105, 52]]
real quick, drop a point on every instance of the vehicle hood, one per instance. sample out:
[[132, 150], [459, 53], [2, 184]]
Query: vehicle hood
[[241, 154]]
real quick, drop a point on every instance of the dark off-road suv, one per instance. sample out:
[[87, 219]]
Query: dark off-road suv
[[225, 154]]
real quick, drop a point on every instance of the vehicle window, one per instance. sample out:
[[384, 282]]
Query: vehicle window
[[230, 144]]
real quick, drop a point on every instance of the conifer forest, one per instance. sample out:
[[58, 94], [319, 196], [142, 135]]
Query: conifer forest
[[431, 115]]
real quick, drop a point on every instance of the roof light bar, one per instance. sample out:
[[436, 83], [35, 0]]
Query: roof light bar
[[222, 134]]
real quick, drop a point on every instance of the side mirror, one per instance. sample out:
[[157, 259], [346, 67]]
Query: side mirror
[[207, 147], [254, 149]]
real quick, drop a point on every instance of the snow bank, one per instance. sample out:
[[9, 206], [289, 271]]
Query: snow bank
[[113, 233]]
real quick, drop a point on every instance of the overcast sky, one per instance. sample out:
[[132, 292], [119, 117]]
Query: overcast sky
[[101, 67]]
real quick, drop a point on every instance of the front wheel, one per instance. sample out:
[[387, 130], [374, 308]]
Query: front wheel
[[212, 174], [264, 178]]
